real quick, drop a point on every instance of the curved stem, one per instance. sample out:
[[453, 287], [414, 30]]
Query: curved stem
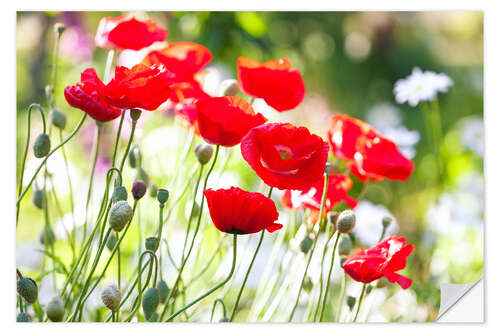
[[359, 302], [185, 307], [325, 297], [218, 300]]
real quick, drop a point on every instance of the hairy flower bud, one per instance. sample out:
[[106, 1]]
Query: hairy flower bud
[[369, 289], [308, 284], [120, 215], [133, 156], [306, 244], [154, 318], [224, 320], [229, 87], [38, 198], [342, 261], [59, 28], [203, 152], [47, 236], [55, 309], [111, 296], [346, 221], [331, 168], [23, 317], [162, 195], [138, 189], [119, 194], [150, 302], [58, 118], [351, 301], [142, 175], [332, 218], [153, 190], [345, 245], [386, 221], [135, 114], [41, 147], [152, 243], [110, 244], [162, 290], [27, 289]]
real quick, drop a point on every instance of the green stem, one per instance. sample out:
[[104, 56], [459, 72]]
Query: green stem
[[359, 302], [122, 164], [70, 184], [118, 258], [54, 70], [185, 307], [97, 144], [192, 211], [325, 297], [325, 249], [218, 300], [115, 149], [341, 299]]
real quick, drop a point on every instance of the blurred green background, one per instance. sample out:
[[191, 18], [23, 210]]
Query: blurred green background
[[350, 62]]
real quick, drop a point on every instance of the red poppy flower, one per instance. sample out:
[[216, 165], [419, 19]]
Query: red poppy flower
[[187, 112], [88, 96], [126, 32], [139, 87], [184, 59], [338, 187], [187, 90], [285, 156], [236, 211], [384, 259], [373, 156], [225, 120], [275, 81]]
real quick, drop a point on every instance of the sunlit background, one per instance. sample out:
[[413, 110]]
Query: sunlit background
[[350, 62]]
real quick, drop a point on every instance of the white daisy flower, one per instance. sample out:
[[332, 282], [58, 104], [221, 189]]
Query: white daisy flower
[[421, 86], [473, 135]]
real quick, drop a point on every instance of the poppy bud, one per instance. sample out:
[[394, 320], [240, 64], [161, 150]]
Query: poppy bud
[[47, 234], [308, 284], [142, 175], [346, 221], [133, 155], [153, 190], [135, 114], [351, 301], [38, 198], [111, 296], [138, 189], [27, 289], [331, 168], [229, 87], [152, 243], [332, 218], [369, 289], [119, 194], [345, 245], [154, 318], [120, 215], [203, 152], [150, 302], [162, 196], [55, 309], [41, 147], [306, 244], [224, 320], [58, 118], [110, 244], [162, 290], [386, 221], [59, 28], [23, 317]]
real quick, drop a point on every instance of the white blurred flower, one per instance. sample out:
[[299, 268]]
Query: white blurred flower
[[369, 223], [421, 86], [404, 138], [473, 135]]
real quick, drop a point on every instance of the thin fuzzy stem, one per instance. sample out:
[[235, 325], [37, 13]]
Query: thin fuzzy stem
[[122, 164], [325, 297], [218, 300], [359, 302], [117, 140]]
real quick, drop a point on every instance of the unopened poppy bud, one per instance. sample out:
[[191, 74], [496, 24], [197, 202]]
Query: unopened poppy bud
[[386, 221], [59, 28], [120, 215], [346, 221], [133, 156], [153, 190], [47, 236], [38, 198], [138, 189], [55, 309], [306, 244], [23, 317], [162, 290], [154, 318], [162, 196], [332, 218], [58, 118], [119, 194], [345, 245], [111, 297], [152, 243], [110, 244], [150, 302], [351, 301], [331, 168], [142, 175], [369, 289], [224, 320], [203, 152], [135, 114], [27, 289], [308, 284], [229, 87], [41, 147]]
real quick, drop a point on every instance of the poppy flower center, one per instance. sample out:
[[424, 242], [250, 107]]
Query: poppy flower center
[[285, 153]]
